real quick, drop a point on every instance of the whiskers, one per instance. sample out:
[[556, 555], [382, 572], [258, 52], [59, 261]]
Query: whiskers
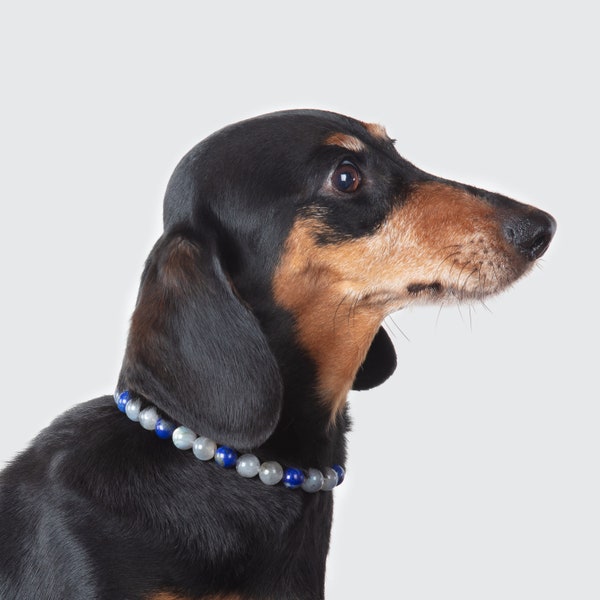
[[346, 309], [475, 279], [467, 274], [390, 319]]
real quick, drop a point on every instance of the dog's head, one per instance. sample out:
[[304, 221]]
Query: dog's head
[[309, 218]]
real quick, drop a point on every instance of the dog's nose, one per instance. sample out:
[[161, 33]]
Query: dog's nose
[[530, 233]]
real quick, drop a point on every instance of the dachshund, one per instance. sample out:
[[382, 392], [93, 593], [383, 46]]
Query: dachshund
[[288, 238]]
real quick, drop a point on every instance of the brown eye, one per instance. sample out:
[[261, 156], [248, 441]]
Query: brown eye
[[346, 178]]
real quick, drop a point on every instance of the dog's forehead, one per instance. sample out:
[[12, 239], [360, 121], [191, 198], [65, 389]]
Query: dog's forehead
[[301, 130], [267, 148]]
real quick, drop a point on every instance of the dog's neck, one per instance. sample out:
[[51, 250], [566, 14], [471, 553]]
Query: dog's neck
[[336, 334], [248, 465], [335, 321], [337, 337]]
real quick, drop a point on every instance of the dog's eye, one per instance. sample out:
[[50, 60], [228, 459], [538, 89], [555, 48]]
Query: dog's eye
[[346, 178]]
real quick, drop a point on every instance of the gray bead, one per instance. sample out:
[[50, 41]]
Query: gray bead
[[313, 481], [270, 473], [204, 448], [148, 418], [248, 465], [132, 409], [330, 479], [183, 438]]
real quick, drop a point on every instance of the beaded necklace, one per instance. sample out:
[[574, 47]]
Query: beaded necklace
[[247, 465]]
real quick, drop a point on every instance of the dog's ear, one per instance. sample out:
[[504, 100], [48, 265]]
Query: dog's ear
[[379, 364], [197, 352]]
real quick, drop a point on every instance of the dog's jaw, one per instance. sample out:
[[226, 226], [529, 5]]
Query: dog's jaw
[[442, 243]]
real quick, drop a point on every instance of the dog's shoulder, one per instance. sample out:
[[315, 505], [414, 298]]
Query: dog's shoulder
[[63, 436]]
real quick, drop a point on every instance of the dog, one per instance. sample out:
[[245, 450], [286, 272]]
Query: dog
[[288, 238]]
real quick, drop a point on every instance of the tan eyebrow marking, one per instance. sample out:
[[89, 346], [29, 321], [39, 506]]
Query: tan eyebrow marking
[[345, 141], [377, 130]]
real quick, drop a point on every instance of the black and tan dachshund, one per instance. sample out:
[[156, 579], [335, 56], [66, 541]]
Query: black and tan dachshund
[[287, 240]]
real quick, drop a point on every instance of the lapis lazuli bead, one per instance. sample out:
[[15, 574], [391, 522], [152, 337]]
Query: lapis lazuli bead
[[122, 400], [293, 478], [164, 429], [226, 457], [341, 473]]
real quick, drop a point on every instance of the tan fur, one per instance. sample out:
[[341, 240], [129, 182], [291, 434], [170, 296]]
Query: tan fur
[[339, 293], [377, 130], [180, 260], [171, 280], [345, 141]]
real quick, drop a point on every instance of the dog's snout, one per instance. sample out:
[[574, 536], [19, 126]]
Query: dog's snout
[[530, 233]]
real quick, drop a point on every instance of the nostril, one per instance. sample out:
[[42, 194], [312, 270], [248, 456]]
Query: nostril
[[531, 233], [509, 233], [540, 244]]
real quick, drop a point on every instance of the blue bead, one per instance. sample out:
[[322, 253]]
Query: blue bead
[[293, 478], [122, 400], [226, 457], [341, 473], [164, 429]]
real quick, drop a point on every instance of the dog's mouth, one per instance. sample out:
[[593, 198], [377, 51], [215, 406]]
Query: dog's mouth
[[478, 289], [470, 273], [434, 289], [474, 272], [432, 293], [477, 284]]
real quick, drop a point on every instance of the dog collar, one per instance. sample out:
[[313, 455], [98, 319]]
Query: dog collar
[[205, 449]]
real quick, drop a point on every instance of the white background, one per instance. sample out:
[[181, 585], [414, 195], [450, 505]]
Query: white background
[[474, 471]]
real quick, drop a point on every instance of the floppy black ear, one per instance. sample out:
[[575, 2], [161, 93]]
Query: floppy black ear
[[379, 363], [196, 352]]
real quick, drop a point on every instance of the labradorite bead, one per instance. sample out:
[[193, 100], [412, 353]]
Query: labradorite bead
[[313, 481], [132, 409], [270, 472], [330, 479], [204, 448], [248, 465], [148, 418], [183, 438]]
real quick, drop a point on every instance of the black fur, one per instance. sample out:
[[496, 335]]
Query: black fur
[[97, 507]]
